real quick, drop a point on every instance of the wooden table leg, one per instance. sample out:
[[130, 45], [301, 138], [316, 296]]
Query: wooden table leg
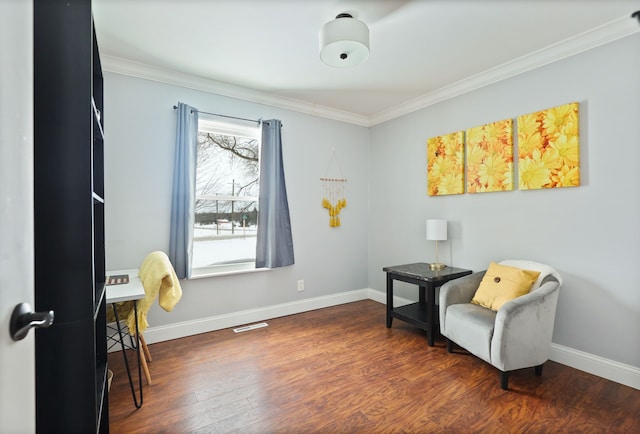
[[143, 360], [145, 348]]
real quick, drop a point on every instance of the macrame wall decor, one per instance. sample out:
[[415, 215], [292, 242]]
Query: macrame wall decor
[[334, 192]]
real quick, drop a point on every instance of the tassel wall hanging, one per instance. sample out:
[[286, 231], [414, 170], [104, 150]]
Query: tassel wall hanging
[[334, 193]]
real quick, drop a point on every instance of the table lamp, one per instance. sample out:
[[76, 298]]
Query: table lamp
[[436, 231]]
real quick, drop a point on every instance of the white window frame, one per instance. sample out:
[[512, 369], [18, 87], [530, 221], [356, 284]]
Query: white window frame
[[212, 125]]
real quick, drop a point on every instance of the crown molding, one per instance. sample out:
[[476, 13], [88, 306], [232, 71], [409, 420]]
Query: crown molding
[[154, 73], [606, 33]]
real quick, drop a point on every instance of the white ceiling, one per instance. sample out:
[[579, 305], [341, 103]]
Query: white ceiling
[[422, 51]]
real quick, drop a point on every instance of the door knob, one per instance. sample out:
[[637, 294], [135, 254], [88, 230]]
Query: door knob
[[24, 319]]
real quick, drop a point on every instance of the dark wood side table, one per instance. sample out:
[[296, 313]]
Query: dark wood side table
[[423, 313]]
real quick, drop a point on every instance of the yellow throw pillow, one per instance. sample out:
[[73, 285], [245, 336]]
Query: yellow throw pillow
[[501, 284]]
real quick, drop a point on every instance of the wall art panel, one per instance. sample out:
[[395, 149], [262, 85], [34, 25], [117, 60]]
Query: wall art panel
[[445, 164], [490, 157], [548, 148]]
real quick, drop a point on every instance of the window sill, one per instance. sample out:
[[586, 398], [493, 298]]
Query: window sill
[[225, 270]]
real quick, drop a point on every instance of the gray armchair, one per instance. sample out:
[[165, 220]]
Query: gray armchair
[[517, 336]]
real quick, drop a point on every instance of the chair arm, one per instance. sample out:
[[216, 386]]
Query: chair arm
[[458, 291], [524, 328]]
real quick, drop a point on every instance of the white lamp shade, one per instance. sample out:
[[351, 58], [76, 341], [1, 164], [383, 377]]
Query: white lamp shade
[[436, 230], [344, 42]]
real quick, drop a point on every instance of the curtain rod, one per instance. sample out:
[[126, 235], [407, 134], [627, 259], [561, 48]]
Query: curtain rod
[[258, 121]]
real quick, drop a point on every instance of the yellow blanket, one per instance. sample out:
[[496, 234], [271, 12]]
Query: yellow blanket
[[159, 280]]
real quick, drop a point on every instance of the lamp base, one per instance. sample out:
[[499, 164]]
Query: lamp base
[[437, 266]]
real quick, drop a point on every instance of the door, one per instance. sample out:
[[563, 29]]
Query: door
[[17, 362]]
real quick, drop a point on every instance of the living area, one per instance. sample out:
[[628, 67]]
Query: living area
[[334, 296], [588, 233]]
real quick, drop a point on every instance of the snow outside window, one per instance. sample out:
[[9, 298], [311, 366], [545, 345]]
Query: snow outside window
[[226, 206]]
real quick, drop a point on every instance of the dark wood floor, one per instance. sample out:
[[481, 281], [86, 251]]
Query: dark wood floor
[[340, 370]]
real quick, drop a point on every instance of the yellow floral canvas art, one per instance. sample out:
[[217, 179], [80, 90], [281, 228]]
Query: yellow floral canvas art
[[548, 151], [490, 157], [445, 164]]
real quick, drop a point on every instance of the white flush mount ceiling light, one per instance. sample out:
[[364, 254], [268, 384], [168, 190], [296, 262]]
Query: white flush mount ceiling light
[[344, 42]]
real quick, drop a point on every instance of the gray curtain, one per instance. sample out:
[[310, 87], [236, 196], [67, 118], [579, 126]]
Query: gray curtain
[[183, 197], [274, 246]]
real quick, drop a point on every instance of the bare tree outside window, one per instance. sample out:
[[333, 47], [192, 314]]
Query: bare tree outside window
[[226, 208]]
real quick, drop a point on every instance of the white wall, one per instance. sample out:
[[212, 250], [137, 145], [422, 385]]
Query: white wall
[[140, 133], [591, 233]]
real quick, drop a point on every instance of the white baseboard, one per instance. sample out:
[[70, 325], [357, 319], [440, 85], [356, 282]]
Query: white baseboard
[[381, 297], [596, 365], [189, 328], [605, 368]]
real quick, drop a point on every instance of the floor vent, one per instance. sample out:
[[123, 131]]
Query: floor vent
[[250, 327]]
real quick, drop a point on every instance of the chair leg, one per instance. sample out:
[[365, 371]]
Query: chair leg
[[145, 348], [504, 380], [538, 370], [145, 368], [449, 345]]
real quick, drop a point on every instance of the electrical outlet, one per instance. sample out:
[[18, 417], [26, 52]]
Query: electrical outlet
[[300, 285]]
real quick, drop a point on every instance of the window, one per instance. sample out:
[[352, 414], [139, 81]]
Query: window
[[226, 197]]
